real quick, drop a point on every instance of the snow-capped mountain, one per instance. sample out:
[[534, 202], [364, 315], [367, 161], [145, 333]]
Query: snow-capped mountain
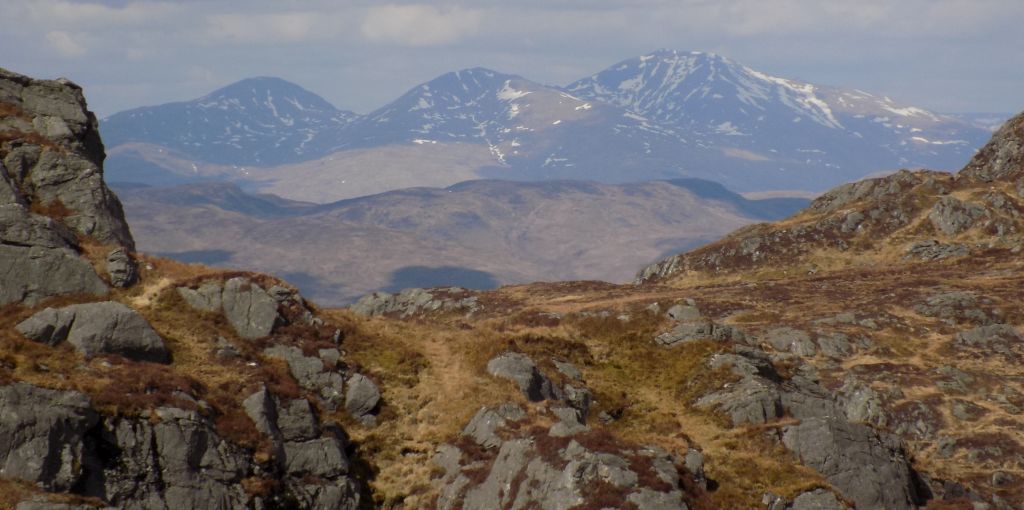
[[533, 131], [826, 134], [257, 121], [664, 115]]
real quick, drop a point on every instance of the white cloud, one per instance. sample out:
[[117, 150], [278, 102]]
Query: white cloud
[[419, 25], [286, 27], [65, 46]]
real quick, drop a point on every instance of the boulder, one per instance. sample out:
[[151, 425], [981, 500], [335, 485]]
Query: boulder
[[122, 268], [956, 306], [818, 499], [787, 339], [42, 434], [40, 258], [324, 457], [870, 469], [250, 310], [520, 368], [206, 298], [106, 327], [361, 396]]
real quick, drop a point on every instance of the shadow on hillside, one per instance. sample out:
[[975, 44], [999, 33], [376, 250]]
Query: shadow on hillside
[[444, 276], [208, 257]]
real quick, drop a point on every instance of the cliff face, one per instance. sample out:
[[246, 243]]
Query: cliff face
[[52, 195]]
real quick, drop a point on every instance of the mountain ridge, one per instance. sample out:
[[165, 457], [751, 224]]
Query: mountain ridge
[[680, 114]]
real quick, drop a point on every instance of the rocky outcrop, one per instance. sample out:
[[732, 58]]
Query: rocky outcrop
[[51, 192], [951, 216], [361, 397], [869, 468], [1003, 157], [98, 328], [252, 311], [410, 302], [42, 435], [52, 151], [172, 457], [534, 468]]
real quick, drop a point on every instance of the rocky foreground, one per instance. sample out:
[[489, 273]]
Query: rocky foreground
[[864, 353]]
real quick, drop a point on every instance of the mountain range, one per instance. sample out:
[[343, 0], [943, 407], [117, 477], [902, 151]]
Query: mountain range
[[663, 115]]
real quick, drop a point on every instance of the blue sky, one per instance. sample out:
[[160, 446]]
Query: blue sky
[[945, 55]]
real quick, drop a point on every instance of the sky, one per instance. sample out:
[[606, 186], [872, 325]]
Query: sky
[[943, 55]]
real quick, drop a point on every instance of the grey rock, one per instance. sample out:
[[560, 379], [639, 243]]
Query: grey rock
[[868, 468], [654, 500], [861, 404], [483, 428], [338, 495], [122, 268], [50, 505], [297, 420], [818, 499], [684, 312], [206, 298], [749, 401], [579, 399], [967, 411], [951, 216], [791, 340], [569, 422], [361, 396], [262, 410], [40, 259], [934, 250], [685, 332], [73, 175], [852, 221], [1000, 338], [311, 374], [49, 326], [225, 350], [42, 435], [323, 457], [107, 327], [330, 357], [568, 369], [520, 368], [413, 301], [250, 310], [954, 307]]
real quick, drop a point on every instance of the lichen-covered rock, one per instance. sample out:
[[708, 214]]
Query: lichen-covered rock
[[251, 311], [869, 468], [485, 423], [791, 340], [207, 297], [520, 368], [361, 396], [1003, 157], [66, 168], [951, 216], [42, 435], [413, 301], [107, 327], [934, 250], [40, 259]]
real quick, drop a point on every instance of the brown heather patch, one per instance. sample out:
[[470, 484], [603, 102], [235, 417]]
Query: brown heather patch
[[14, 491]]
